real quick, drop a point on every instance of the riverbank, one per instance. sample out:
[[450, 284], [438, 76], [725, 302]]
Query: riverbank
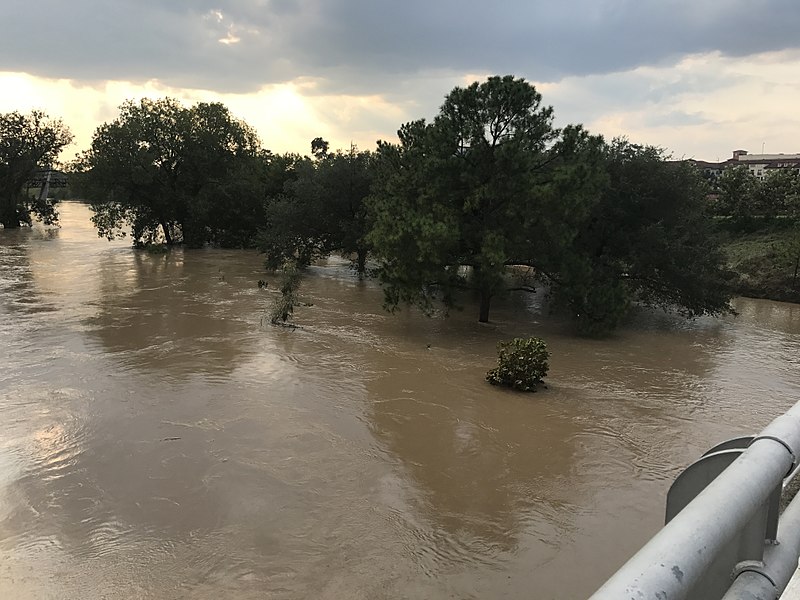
[[767, 262]]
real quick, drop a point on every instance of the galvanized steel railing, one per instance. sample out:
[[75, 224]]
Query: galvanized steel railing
[[722, 545]]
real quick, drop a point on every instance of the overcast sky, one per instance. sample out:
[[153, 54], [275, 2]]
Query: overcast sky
[[699, 79]]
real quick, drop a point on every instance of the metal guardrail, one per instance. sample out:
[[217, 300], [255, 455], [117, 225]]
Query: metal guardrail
[[723, 539]]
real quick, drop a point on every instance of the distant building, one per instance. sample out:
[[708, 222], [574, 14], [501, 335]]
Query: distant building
[[758, 164]]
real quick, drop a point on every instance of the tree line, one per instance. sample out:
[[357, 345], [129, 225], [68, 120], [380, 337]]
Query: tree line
[[761, 219], [749, 203], [487, 197]]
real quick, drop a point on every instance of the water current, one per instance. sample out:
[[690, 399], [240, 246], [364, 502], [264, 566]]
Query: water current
[[159, 440]]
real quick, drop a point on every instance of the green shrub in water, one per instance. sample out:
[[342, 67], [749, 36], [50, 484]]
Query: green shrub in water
[[283, 305], [521, 364]]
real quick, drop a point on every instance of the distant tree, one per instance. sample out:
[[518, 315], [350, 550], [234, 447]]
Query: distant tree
[[281, 170], [791, 200], [223, 175], [737, 196], [319, 148], [28, 142], [792, 251], [191, 175], [131, 171], [488, 184], [776, 195]]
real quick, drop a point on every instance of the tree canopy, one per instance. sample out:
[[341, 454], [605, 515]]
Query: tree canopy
[[28, 142], [321, 209], [750, 203], [176, 174], [648, 237], [488, 184]]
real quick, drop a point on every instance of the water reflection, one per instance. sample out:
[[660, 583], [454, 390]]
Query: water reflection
[[486, 469], [175, 313], [20, 294]]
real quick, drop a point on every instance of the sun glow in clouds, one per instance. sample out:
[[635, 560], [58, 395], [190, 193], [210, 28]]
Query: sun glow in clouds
[[286, 116], [229, 39]]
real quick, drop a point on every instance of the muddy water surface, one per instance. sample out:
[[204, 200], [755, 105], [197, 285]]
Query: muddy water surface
[[158, 441]]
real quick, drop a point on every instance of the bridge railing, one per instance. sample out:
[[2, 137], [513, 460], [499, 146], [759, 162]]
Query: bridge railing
[[724, 539], [49, 177]]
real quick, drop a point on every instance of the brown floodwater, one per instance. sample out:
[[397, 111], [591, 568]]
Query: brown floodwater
[[158, 440]]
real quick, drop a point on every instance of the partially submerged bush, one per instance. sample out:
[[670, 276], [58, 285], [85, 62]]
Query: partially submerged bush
[[283, 306], [521, 364]]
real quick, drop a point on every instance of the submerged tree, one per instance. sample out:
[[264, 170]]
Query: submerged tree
[[292, 230], [179, 174], [346, 179], [321, 209], [28, 142], [490, 183], [283, 305], [648, 238]]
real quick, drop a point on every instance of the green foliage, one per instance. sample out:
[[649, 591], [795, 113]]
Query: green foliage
[[27, 142], [777, 194], [737, 191], [521, 364], [175, 174], [293, 229], [648, 239], [346, 179], [283, 305], [791, 254], [749, 204], [490, 183], [320, 209], [319, 148]]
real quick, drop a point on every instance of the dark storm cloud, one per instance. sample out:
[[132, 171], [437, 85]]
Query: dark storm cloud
[[373, 45]]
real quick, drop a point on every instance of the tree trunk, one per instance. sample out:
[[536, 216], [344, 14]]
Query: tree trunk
[[167, 234], [486, 299], [9, 217], [361, 262]]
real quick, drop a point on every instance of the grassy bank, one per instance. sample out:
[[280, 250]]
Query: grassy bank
[[767, 262]]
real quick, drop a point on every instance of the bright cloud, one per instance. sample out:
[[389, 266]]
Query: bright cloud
[[286, 116], [702, 107]]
